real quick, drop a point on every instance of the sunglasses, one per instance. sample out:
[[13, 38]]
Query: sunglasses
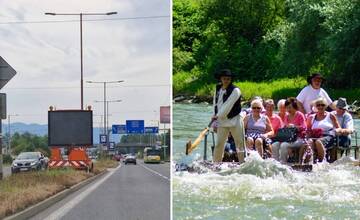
[[258, 108], [320, 105]]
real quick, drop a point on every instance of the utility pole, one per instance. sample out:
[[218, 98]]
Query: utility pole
[[9, 133], [104, 83], [106, 112], [81, 45]]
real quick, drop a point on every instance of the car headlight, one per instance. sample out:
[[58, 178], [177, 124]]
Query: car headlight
[[32, 163], [14, 164]]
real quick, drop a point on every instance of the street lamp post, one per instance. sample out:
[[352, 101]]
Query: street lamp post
[[107, 117], [104, 83], [81, 44], [9, 133]]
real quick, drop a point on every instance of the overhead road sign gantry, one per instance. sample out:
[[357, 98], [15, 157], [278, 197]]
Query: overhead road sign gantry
[[135, 126]]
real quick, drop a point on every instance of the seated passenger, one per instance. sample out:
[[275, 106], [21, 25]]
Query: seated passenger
[[258, 130], [281, 109], [324, 123], [275, 120], [346, 123], [294, 118]]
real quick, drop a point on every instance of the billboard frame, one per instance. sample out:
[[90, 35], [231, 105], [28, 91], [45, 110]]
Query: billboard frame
[[74, 144]]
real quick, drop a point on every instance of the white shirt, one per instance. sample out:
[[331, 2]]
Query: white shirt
[[225, 107], [309, 94]]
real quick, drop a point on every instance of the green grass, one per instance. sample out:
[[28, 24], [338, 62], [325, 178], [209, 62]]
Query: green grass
[[186, 83], [25, 189]]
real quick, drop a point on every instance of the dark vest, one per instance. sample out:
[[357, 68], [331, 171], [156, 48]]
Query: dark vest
[[236, 109]]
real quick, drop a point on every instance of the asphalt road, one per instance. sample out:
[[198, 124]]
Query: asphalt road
[[129, 192]]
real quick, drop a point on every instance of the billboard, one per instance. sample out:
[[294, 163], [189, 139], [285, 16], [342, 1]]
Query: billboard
[[70, 128], [135, 126], [165, 114]]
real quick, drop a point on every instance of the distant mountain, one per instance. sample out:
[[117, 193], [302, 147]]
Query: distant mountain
[[42, 130]]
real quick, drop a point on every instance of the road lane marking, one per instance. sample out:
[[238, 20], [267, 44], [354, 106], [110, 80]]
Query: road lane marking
[[62, 211], [153, 171]]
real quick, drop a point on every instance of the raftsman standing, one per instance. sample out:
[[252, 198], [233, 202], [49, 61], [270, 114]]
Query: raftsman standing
[[227, 107]]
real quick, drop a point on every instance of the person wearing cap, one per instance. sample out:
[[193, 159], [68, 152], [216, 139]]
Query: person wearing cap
[[346, 122], [312, 92], [324, 122], [227, 108]]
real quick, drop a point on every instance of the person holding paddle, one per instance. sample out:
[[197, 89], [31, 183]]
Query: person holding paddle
[[227, 108]]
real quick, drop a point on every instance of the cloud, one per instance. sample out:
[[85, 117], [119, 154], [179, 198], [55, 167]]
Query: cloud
[[47, 55]]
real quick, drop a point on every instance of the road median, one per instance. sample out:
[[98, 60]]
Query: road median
[[25, 194]]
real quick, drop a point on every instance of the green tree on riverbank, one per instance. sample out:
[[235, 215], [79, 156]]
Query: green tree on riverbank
[[266, 40]]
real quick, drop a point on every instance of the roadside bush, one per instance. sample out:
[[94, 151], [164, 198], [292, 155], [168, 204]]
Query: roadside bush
[[7, 159]]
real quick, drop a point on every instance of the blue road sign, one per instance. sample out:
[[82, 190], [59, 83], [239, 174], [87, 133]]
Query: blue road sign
[[111, 145], [103, 138], [152, 130], [119, 129], [135, 126]]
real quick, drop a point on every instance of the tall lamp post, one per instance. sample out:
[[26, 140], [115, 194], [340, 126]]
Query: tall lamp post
[[81, 43], [107, 117], [9, 132], [104, 83]]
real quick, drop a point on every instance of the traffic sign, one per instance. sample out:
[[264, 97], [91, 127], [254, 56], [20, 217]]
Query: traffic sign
[[152, 130], [119, 129], [2, 106], [103, 138], [135, 126], [6, 72], [111, 145]]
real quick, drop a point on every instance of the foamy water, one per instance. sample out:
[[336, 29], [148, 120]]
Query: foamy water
[[261, 189]]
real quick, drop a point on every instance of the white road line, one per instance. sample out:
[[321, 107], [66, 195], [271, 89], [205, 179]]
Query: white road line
[[153, 171], [62, 211]]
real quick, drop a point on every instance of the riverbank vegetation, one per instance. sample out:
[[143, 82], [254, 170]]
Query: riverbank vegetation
[[272, 45]]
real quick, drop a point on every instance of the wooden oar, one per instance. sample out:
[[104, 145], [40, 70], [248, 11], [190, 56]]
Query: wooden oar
[[191, 146]]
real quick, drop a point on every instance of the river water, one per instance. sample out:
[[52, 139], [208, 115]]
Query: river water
[[258, 189]]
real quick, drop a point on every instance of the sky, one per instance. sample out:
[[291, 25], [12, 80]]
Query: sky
[[46, 55]]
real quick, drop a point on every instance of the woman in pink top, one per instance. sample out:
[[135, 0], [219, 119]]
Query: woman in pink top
[[294, 118], [275, 120]]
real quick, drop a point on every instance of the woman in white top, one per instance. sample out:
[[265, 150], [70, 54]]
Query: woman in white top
[[312, 92], [325, 123]]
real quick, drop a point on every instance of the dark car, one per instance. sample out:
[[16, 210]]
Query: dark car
[[117, 157], [130, 159], [28, 161]]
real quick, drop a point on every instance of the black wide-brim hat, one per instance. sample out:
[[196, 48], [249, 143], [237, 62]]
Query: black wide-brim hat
[[314, 75], [224, 72]]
